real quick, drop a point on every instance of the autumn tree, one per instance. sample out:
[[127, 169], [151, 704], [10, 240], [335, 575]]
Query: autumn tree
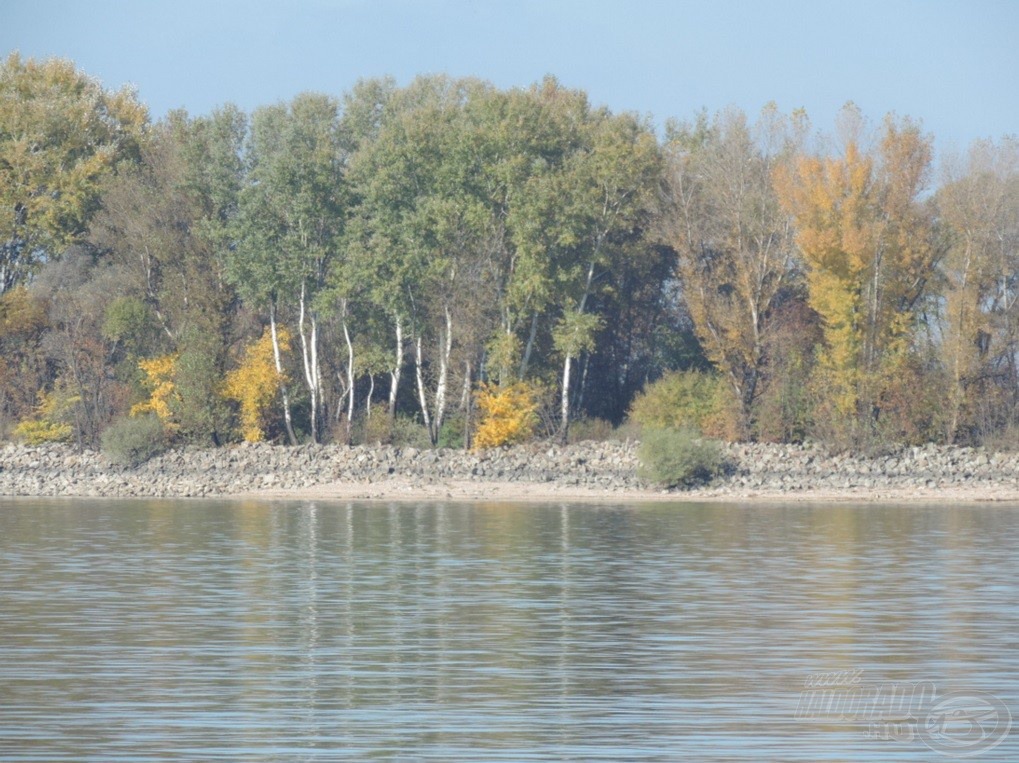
[[61, 134], [978, 205], [866, 241], [734, 242]]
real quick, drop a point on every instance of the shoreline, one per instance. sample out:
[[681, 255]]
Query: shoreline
[[402, 491], [591, 472]]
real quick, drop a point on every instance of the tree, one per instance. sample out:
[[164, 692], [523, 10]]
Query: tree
[[608, 191], [737, 256], [61, 134], [165, 226], [291, 219], [867, 243], [978, 203]]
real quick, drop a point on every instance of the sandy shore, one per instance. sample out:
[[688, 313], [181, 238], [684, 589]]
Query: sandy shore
[[399, 490]]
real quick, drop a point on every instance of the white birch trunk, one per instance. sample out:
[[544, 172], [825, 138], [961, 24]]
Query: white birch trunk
[[422, 397], [446, 348], [350, 380], [310, 372], [279, 370], [565, 400], [397, 370]]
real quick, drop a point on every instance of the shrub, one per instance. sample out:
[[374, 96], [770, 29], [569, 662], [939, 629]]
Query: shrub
[[409, 432], [686, 400], [593, 430], [255, 383], [452, 433], [507, 415], [51, 422], [671, 457], [134, 440]]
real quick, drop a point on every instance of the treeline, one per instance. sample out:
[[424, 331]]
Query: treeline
[[359, 268]]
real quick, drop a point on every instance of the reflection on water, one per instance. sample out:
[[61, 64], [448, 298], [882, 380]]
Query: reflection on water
[[255, 631]]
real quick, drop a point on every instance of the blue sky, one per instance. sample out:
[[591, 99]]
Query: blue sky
[[953, 65]]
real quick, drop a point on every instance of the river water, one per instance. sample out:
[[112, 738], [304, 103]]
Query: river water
[[296, 631]]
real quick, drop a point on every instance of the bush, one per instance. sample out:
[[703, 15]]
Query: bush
[[408, 432], [592, 430], [51, 422], [671, 457], [507, 415], [134, 440], [686, 400]]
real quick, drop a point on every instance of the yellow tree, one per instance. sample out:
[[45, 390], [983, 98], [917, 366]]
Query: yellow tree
[[256, 382], [159, 373], [866, 241]]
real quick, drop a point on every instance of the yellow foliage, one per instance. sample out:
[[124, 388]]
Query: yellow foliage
[[46, 425], [865, 242], [159, 374], [508, 414], [255, 383]]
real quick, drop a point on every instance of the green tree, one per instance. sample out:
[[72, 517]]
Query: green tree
[[61, 134]]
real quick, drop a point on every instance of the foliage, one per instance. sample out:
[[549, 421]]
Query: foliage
[[61, 133], [685, 400], [507, 415], [159, 374], [131, 441], [592, 430], [407, 431], [866, 241], [255, 383], [735, 244], [672, 457], [51, 422]]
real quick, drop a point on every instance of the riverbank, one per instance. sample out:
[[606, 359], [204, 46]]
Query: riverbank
[[539, 472]]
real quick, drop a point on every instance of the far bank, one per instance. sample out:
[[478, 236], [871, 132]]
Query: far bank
[[536, 472]]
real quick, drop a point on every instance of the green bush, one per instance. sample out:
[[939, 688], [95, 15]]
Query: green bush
[[685, 400], [672, 457], [592, 430], [134, 440], [408, 432]]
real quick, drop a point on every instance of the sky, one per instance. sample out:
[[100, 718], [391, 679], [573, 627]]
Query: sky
[[950, 64]]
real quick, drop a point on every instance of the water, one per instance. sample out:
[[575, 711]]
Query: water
[[249, 631]]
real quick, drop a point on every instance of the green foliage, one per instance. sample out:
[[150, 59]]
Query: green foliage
[[680, 399], [61, 133], [452, 433], [131, 441], [409, 432], [674, 457], [587, 429]]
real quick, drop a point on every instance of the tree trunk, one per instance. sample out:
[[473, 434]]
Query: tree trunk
[[525, 361], [564, 429], [348, 434], [279, 370], [309, 356], [445, 349], [397, 370], [419, 374]]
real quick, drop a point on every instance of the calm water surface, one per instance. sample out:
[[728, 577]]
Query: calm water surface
[[250, 631]]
